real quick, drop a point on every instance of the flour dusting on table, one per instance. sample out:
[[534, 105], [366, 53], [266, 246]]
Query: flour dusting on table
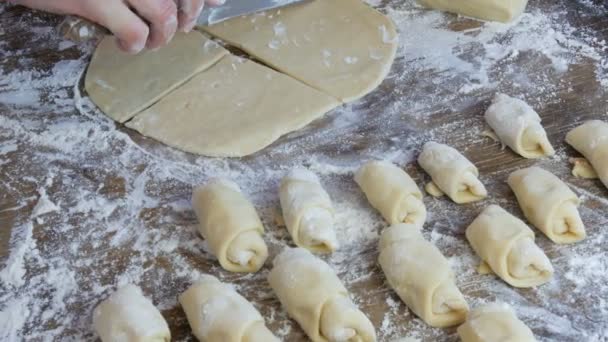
[[87, 205]]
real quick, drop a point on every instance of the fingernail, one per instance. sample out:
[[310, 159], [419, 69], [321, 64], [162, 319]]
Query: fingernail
[[134, 48], [170, 27], [189, 26]]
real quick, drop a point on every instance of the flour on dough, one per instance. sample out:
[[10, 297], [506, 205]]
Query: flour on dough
[[122, 85], [494, 322], [344, 48], [518, 126], [235, 108], [126, 315]]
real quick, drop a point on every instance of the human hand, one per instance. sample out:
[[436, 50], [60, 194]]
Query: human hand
[[137, 24]]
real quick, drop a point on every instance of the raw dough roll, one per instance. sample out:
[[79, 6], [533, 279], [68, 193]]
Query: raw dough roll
[[494, 322], [591, 140], [549, 204], [421, 276], [230, 225], [454, 174], [518, 126], [313, 295], [130, 317], [392, 192], [507, 246], [307, 211], [496, 10], [216, 312]]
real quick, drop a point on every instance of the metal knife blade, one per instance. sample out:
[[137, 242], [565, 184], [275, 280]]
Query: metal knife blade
[[236, 8]]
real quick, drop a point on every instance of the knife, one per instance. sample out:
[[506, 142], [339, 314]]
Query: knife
[[237, 8], [79, 30]]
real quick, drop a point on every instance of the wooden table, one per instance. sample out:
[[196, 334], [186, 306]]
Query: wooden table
[[118, 203]]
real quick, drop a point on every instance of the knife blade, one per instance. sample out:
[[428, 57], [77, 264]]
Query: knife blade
[[237, 8]]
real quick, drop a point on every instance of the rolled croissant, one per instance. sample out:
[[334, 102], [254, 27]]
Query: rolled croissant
[[421, 276], [129, 316], [591, 140], [494, 322], [216, 312], [503, 11], [392, 192], [507, 246], [451, 172], [230, 225], [548, 204], [308, 212], [518, 126], [313, 295]]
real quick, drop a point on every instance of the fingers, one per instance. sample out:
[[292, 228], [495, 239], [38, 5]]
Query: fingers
[[162, 18], [130, 30], [135, 23], [189, 11]]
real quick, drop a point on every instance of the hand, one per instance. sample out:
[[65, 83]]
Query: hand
[[137, 24]]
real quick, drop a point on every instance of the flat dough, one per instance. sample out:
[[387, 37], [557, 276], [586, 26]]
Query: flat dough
[[495, 10], [314, 296], [344, 48], [452, 172], [591, 140], [494, 322], [392, 192], [216, 312], [507, 245], [518, 126], [122, 85], [130, 317], [235, 108], [421, 276], [231, 226], [308, 212], [548, 204]]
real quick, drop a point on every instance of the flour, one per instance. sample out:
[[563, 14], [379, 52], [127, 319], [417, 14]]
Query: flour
[[113, 208], [22, 244]]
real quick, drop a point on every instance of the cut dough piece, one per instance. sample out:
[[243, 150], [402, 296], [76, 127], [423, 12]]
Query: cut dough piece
[[308, 212], [495, 10], [591, 140], [582, 168], [421, 276], [129, 316], [494, 322], [548, 204], [507, 245], [344, 48], [313, 295], [122, 85], [216, 312], [451, 172], [392, 192], [230, 225], [518, 126], [233, 109]]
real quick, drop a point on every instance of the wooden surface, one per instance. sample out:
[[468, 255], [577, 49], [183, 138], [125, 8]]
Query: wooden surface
[[385, 123]]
